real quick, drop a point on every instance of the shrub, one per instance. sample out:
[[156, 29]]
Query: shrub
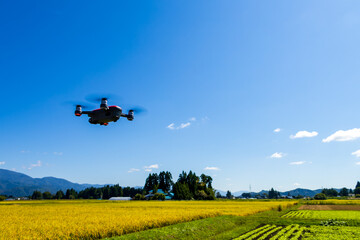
[[139, 196], [320, 196]]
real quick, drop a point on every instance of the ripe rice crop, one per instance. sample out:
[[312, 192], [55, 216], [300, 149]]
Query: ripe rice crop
[[86, 219], [337, 215]]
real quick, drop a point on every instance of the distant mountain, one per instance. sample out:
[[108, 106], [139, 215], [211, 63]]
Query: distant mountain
[[295, 192], [19, 185]]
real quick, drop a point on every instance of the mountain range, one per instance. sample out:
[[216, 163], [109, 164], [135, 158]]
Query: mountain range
[[19, 185]]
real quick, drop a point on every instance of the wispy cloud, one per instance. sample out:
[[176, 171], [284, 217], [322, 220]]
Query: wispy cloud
[[133, 170], [276, 130], [58, 153], [212, 168], [356, 153], [171, 126], [181, 126], [357, 163], [193, 119], [297, 163], [304, 134], [38, 164], [24, 151], [151, 167], [297, 184], [277, 155], [2, 163], [342, 136]]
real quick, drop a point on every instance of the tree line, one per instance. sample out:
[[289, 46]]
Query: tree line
[[105, 192], [188, 186]]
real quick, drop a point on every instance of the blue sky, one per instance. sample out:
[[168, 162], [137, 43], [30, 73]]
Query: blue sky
[[217, 78]]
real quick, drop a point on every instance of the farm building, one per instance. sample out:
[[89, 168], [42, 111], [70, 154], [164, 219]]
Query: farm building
[[168, 196], [120, 198]]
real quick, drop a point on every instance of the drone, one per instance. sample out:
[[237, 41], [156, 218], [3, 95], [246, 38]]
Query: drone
[[105, 113]]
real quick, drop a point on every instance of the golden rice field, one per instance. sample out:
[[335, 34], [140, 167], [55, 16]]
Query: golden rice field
[[95, 219]]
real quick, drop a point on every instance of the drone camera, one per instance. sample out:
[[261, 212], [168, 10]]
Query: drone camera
[[130, 115], [78, 110]]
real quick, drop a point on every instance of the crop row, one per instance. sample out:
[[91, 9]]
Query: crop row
[[273, 232], [332, 214], [294, 232]]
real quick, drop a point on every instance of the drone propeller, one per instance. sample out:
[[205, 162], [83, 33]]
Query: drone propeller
[[76, 104], [96, 98], [138, 110]]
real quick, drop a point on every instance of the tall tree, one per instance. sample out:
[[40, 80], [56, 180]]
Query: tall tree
[[36, 195], [59, 195], [229, 195], [165, 181], [344, 192]]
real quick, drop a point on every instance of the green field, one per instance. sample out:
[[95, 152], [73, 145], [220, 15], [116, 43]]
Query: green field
[[333, 214], [271, 225]]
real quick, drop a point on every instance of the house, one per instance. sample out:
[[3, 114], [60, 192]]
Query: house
[[168, 196], [120, 198]]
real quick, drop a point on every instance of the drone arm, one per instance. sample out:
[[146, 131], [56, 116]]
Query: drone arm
[[86, 112]]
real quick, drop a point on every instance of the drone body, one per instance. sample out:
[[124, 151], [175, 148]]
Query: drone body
[[104, 114]]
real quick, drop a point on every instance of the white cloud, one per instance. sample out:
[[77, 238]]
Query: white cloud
[[303, 134], [356, 153], [277, 155], [297, 163], [184, 125], [2, 163], [133, 170], [151, 167], [297, 184], [357, 163], [193, 119], [181, 126], [38, 164], [342, 136], [58, 153], [277, 130], [171, 126], [212, 168], [228, 179]]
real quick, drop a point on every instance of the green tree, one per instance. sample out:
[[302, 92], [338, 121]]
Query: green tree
[[59, 195], [273, 194], [330, 192], [151, 181], [47, 195], [344, 192], [218, 195], [320, 196], [229, 195], [165, 181], [357, 185], [139, 196], [357, 191], [37, 195], [71, 194], [181, 191]]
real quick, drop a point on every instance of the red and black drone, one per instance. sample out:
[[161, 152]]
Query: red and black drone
[[105, 113]]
